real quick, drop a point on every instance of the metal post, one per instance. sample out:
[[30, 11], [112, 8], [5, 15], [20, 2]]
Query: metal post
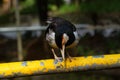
[[19, 39]]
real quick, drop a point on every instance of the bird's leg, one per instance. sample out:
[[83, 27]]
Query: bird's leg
[[63, 55], [70, 58], [63, 52], [55, 56]]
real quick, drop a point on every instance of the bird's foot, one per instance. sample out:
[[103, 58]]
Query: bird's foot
[[59, 59], [70, 58], [55, 56]]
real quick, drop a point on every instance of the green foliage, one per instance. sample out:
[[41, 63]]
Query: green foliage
[[5, 18], [28, 3], [85, 51], [28, 7], [113, 44], [68, 8], [52, 7], [100, 6]]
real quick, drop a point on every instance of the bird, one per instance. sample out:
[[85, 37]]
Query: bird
[[61, 34]]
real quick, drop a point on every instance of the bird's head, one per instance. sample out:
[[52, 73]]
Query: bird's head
[[65, 39]]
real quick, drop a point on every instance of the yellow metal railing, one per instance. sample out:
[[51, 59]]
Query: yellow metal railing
[[25, 68]]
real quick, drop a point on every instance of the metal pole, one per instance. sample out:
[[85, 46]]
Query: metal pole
[[87, 63], [19, 39], [35, 28]]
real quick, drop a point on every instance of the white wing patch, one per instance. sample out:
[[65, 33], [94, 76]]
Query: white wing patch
[[76, 40]]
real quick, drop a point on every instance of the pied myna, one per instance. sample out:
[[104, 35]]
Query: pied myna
[[61, 34]]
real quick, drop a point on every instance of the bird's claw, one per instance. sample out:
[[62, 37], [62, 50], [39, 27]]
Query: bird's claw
[[58, 59], [70, 59]]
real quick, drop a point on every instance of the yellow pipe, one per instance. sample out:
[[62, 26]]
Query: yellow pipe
[[24, 68]]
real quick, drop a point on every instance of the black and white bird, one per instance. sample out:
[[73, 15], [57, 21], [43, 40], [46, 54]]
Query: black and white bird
[[61, 34]]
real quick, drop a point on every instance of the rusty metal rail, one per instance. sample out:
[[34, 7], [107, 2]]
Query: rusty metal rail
[[25, 68]]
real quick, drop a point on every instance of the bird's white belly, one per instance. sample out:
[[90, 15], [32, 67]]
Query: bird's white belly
[[51, 39]]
